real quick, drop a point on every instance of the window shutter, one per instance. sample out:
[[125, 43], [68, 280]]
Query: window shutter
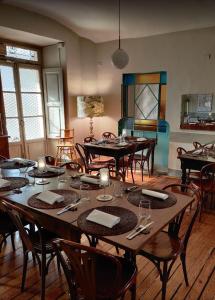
[[54, 101]]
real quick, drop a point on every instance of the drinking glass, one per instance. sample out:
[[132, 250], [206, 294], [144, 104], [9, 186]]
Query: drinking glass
[[145, 211], [118, 190], [84, 192]]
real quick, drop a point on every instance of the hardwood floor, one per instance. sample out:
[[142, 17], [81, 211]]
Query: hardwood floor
[[200, 265]]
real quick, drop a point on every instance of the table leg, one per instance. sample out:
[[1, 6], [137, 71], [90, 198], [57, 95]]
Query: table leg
[[117, 165], [152, 160], [184, 173]]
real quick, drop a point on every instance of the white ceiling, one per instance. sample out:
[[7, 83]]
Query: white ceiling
[[97, 20], [25, 37]]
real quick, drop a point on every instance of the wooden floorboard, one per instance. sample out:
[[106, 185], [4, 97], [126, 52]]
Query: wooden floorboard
[[200, 266]]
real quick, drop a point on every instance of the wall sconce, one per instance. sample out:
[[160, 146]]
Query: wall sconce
[[90, 107]]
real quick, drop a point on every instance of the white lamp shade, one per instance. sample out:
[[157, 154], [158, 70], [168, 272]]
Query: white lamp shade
[[120, 58], [90, 106]]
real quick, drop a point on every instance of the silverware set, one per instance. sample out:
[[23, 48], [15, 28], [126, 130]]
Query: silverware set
[[138, 230], [71, 206]]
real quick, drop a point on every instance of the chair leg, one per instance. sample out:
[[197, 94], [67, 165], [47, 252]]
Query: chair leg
[[43, 275], [12, 241], [164, 280], [142, 167], [183, 262], [149, 173], [133, 292], [24, 271], [132, 174]]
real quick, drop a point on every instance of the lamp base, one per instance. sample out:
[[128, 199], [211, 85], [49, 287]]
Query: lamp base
[[104, 197]]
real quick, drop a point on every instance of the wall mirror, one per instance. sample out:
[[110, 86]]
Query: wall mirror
[[197, 112]]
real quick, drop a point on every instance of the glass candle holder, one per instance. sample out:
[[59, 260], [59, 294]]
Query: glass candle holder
[[41, 166], [104, 181]]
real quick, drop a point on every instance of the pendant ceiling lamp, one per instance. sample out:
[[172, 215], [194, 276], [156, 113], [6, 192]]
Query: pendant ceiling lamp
[[120, 57]]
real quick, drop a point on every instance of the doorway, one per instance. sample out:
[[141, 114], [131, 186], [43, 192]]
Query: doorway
[[23, 103]]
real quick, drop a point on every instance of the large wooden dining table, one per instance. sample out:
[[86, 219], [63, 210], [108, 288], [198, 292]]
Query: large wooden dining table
[[112, 149], [194, 161], [66, 226]]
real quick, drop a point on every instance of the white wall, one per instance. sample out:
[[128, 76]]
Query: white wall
[[184, 55]]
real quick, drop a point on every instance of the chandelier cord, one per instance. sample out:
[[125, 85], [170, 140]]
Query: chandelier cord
[[119, 26]]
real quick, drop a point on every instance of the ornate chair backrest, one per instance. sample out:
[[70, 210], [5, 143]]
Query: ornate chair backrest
[[181, 151], [207, 178], [82, 152], [80, 268], [73, 165], [2, 158], [89, 139], [193, 192], [149, 150], [17, 214], [197, 145], [108, 135], [132, 150], [50, 160]]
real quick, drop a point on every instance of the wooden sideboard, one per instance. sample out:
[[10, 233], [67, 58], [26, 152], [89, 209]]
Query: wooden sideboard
[[4, 147]]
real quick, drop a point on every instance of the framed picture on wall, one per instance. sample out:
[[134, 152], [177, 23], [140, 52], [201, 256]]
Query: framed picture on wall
[[204, 102]]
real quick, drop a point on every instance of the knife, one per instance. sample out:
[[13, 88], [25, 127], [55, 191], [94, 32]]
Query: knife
[[139, 230]]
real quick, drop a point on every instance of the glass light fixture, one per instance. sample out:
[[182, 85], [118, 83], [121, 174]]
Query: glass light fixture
[[120, 58]]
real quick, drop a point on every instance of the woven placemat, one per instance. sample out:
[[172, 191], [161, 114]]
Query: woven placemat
[[69, 197], [13, 164], [128, 220], [15, 183], [46, 174], [76, 183], [135, 197]]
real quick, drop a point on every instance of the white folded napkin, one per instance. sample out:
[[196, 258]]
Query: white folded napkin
[[4, 183], [155, 194], [141, 139], [50, 197], [90, 179], [103, 218]]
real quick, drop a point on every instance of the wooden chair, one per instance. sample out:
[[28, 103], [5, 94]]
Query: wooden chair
[[197, 145], [2, 158], [88, 166], [126, 163], [191, 175], [7, 229], [73, 165], [94, 274], [108, 135], [207, 185], [39, 242], [98, 158], [165, 247], [50, 160], [89, 139], [66, 146], [142, 158]]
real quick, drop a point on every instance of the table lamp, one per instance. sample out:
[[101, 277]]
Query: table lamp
[[90, 106]]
